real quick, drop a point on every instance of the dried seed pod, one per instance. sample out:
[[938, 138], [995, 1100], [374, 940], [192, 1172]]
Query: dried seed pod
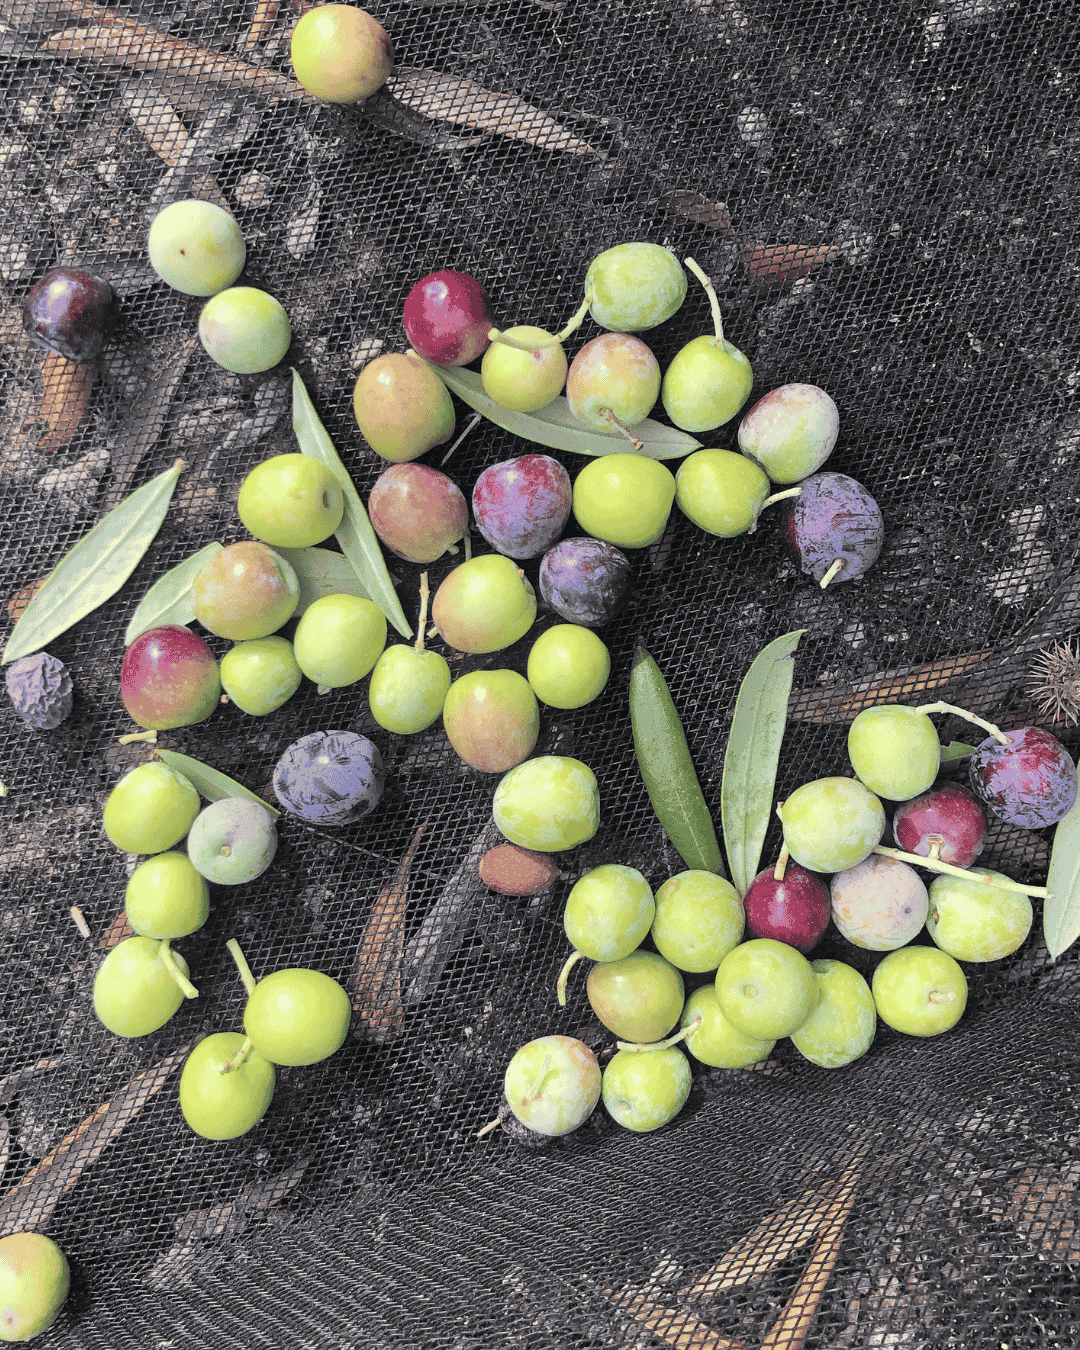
[[513, 870], [66, 388], [40, 688]]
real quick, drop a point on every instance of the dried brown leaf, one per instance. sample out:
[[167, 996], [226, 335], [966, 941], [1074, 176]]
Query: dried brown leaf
[[219, 1219], [13, 1083], [142, 423], [773, 1241], [781, 264], [376, 980], [66, 390], [30, 1203], [262, 22], [1044, 1207], [673, 1326], [135, 47], [825, 707], [697, 208], [116, 932], [16, 606], [166, 135], [793, 1326], [450, 98]]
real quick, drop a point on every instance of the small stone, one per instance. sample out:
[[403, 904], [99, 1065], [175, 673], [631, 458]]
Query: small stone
[[40, 688]]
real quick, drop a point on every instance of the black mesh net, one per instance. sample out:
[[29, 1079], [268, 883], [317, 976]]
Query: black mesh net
[[885, 197]]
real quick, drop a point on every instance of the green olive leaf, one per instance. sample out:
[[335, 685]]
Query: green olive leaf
[[556, 426], [211, 783], [752, 756], [320, 572], [95, 568], [169, 599], [355, 534], [1061, 909], [956, 750]]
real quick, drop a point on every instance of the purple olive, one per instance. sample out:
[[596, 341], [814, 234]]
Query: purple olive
[[1029, 781], [70, 311], [521, 505], [834, 528], [330, 777], [947, 816], [585, 580]]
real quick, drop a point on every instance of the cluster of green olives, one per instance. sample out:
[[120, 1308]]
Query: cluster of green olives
[[142, 982], [296, 1017]]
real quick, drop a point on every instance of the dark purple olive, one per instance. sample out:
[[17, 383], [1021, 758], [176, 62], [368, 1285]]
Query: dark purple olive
[[1029, 780], [834, 528], [585, 581], [72, 312]]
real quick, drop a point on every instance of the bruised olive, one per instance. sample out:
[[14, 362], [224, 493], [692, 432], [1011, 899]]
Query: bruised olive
[[70, 311]]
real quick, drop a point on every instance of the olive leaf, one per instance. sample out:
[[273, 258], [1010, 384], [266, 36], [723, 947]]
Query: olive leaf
[[1061, 910], [169, 599], [320, 572], [451, 98], [556, 426], [355, 533], [211, 783], [95, 568], [752, 754], [30, 1203], [956, 750]]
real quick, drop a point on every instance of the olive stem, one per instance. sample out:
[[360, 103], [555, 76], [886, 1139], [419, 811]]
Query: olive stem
[[425, 591], [714, 303], [831, 573], [4, 789], [616, 426], [231, 1065], [466, 539], [936, 865], [781, 864], [168, 960], [246, 977], [131, 737], [465, 431], [682, 1035], [569, 964], [323, 688], [491, 1125], [994, 731], [779, 496]]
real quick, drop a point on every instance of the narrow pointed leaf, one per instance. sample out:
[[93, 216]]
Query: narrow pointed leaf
[[95, 568], [752, 755], [320, 572], [355, 534], [169, 599], [1061, 910], [30, 1203], [209, 782], [556, 426], [956, 750]]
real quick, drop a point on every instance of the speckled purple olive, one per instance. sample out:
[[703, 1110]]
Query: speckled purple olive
[[1029, 781], [521, 505], [70, 311], [330, 777], [834, 528], [585, 580]]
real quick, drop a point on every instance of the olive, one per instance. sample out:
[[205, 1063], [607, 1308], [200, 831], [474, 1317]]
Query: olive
[[70, 311]]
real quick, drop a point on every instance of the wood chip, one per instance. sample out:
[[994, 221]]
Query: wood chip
[[30, 1203], [376, 981], [134, 47], [450, 98], [781, 264], [79, 920]]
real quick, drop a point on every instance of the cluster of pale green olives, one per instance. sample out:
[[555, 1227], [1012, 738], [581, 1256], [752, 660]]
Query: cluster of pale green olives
[[833, 868]]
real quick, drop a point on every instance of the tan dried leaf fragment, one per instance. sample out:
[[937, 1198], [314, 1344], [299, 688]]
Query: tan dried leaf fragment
[[450, 98], [1045, 1208], [166, 135], [66, 390], [16, 605], [30, 1203], [781, 264], [376, 981], [135, 47]]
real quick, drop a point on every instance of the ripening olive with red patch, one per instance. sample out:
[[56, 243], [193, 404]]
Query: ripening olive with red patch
[[340, 53]]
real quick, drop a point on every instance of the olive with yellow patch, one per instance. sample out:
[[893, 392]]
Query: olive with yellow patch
[[613, 378]]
